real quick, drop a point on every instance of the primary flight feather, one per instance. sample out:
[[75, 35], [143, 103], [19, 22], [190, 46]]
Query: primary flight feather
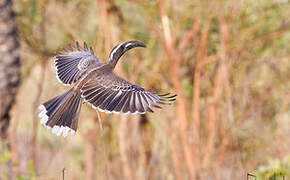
[[95, 83]]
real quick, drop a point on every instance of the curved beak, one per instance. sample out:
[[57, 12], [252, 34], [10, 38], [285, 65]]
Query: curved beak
[[132, 44], [120, 49]]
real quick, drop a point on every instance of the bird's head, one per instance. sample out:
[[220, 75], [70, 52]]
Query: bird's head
[[120, 49]]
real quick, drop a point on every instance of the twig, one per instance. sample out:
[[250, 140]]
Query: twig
[[104, 146], [189, 35], [218, 87], [176, 79], [201, 56], [34, 111], [105, 21], [250, 175], [123, 147], [63, 170]]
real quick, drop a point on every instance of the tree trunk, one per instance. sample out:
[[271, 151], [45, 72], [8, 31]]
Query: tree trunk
[[9, 64], [9, 72]]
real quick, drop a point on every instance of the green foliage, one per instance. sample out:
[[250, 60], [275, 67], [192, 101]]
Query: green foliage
[[24, 178], [5, 157], [32, 170], [5, 161], [275, 169]]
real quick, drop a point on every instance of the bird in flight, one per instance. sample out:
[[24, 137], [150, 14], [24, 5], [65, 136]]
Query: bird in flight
[[95, 83]]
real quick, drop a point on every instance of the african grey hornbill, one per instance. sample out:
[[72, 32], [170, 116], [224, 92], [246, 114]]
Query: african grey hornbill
[[95, 83]]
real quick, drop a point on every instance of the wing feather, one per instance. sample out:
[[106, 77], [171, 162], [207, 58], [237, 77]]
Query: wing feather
[[115, 102], [126, 108], [108, 100], [121, 103], [132, 102], [141, 108], [95, 95], [72, 64], [110, 93]]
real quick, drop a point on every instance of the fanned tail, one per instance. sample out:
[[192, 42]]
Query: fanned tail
[[61, 113]]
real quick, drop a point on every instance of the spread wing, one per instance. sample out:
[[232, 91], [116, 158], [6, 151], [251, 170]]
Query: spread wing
[[109, 93], [71, 64]]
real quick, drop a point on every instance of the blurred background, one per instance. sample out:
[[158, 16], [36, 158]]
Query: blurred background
[[227, 60]]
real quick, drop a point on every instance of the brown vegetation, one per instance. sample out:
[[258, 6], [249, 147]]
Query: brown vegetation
[[228, 61]]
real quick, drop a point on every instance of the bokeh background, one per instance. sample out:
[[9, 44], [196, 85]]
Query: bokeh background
[[228, 60]]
